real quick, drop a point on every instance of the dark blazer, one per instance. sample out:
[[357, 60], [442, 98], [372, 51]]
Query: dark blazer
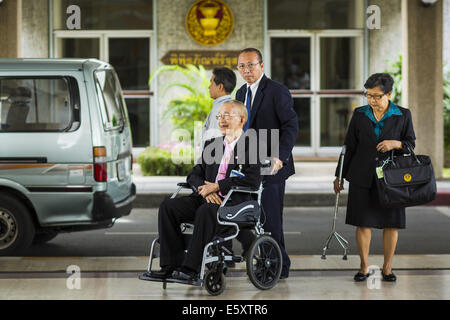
[[273, 109], [361, 155], [207, 172]]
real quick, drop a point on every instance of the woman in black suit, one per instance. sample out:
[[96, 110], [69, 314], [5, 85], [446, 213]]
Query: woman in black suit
[[374, 130]]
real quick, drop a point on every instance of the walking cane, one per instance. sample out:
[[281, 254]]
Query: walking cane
[[337, 236]]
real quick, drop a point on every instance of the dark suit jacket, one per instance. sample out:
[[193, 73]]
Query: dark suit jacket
[[361, 155], [273, 109], [207, 172]]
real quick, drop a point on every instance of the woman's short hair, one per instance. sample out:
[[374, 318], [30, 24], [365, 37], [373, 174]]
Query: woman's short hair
[[382, 80], [239, 107]]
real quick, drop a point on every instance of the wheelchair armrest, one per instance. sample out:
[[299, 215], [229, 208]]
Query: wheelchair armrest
[[243, 189], [182, 185]]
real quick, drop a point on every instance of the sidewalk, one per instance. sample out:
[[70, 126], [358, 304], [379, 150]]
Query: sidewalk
[[116, 278], [310, 186]]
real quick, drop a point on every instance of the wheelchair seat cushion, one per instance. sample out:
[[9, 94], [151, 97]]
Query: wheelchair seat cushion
[[245, 212]]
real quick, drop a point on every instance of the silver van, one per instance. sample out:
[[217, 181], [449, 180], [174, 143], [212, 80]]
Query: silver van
[[65, 150]]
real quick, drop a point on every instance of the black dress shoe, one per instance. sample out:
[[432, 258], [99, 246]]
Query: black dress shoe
[[361, 277], [284, 276], [164, 273], [185, 274], [389, 277]]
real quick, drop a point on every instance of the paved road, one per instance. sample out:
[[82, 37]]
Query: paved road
[[306, 229]]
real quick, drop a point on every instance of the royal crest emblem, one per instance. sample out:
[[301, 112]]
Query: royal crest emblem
[[209, 22]]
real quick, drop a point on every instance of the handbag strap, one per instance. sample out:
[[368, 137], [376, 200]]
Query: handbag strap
[[411, 151]]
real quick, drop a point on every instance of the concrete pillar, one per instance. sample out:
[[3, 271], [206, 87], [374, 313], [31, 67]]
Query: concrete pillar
[[35, 26], [446, 36], [423, 76], [10, 29], [384, 44]]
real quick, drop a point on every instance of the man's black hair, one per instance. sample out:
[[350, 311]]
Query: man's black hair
[[260, 58], [225, 76]]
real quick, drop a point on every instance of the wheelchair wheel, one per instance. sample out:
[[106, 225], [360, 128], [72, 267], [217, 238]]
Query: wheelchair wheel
[[214, 282], [264, 262]]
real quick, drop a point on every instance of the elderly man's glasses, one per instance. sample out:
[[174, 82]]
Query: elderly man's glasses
[[375, 97], [227, 116], [250, 66]]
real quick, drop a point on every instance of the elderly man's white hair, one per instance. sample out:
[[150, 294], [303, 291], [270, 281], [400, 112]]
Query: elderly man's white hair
[[239, 107]]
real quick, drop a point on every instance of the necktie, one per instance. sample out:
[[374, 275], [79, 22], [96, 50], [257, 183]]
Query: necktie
[[248, 104], [222, 173]]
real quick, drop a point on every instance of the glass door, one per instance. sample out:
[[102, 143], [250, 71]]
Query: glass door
[[129, 53], [323, 70], [291, 64]]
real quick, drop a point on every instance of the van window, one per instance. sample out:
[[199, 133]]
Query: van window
[[38, 104], [110, 99]]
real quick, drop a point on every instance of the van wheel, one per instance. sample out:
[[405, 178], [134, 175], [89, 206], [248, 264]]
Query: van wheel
[[41, 238], [16, 227]]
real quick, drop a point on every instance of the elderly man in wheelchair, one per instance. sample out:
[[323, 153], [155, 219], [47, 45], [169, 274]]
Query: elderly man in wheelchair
[[225, 184]]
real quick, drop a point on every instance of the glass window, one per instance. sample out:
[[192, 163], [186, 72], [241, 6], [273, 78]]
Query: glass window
[[291, 62], [106, 14], [339, 63], [110, 99], [139, 115], [38, 104], [316, 14], [130, 58], [335, 115], [79, 48], [303, 108]]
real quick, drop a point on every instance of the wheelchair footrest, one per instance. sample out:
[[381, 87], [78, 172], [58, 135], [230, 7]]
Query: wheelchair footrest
[[197, 283]]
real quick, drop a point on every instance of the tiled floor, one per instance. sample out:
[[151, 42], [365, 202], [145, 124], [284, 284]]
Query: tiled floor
[[419, 277]]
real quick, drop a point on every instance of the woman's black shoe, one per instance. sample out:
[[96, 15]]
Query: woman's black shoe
[[389, 277], [360, 277]]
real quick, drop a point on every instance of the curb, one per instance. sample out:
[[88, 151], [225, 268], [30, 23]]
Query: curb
[[153, 200]]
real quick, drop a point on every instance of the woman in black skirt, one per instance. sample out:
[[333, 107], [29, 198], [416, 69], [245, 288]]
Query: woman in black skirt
[[374, 130]]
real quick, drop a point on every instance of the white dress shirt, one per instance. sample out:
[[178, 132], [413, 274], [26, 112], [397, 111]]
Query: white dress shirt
[[254, 88]]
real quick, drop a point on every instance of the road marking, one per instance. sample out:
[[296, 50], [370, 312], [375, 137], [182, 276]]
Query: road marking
[[131, 233], [288, 233], [444, 210]]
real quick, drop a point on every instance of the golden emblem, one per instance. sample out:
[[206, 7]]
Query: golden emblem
[[407, 177], [209, 22]]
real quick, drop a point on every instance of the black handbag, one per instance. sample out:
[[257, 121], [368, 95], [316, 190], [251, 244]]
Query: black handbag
[[406, 180]]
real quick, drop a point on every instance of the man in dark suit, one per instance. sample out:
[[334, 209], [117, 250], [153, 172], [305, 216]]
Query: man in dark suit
[[270, 106], [211, 179]]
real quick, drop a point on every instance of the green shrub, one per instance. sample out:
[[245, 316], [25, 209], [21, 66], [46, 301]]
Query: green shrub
[[194, 103], [396, 73], [447, 120], [158, 161]]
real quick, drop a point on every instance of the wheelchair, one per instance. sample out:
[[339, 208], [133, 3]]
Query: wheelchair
[[263, 257]]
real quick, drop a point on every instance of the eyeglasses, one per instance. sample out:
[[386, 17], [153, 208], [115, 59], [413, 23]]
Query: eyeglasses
[[250, 66], [375, 97], [227, 116]]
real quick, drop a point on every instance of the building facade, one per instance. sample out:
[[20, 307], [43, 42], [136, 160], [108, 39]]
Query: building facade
[[322, 50]]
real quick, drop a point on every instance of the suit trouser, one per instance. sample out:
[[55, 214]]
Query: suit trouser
[[173, 212], [272, 201]]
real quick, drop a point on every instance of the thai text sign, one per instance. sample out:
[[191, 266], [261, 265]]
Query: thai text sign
[[208, 59]]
